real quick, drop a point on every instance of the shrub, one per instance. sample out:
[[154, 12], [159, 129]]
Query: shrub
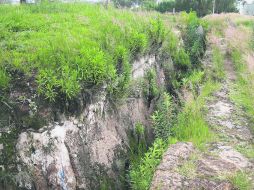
[[194, 36], [150, 88], [141, 175], [138, 43], [163, 118], [156, 32], [182, 60]]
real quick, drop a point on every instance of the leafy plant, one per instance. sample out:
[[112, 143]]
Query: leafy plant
[[163, 118], [141, 175], [182, 60], [194, 36], [150, 88]]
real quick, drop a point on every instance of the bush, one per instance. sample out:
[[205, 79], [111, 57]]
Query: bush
[[182, 60], [138, 43], [150, 88], [141, 175], [156, 32], [194, 36], [163, 118]]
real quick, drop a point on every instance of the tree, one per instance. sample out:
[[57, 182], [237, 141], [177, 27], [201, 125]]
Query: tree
[[225, 6], [202, 7]]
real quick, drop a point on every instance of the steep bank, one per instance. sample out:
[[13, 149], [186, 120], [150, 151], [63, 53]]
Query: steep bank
[[76, 81]]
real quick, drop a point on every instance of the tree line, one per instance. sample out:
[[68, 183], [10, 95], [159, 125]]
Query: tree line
[[202, 7]]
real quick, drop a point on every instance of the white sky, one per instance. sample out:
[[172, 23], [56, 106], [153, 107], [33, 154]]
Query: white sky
[[249, 1]]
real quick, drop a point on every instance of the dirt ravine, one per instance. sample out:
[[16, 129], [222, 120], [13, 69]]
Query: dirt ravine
[[211, 169]]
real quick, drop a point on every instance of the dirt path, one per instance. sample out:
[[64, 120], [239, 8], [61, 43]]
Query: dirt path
[[225, 158]]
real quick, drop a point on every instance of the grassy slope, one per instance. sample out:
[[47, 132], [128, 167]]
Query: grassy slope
[[70, 46]]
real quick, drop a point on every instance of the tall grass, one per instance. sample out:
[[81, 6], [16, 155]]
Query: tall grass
[[191, 124], [69, 47], [218, 63], [243, 91], [241, 181]]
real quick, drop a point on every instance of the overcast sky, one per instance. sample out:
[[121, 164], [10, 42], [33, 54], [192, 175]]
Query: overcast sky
[[249, 1]]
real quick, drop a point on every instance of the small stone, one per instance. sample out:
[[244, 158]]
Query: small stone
[[80, 125], [1, 146], [75, 122]]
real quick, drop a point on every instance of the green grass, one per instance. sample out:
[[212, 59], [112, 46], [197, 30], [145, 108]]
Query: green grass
[[191, 125], [4, 79], [69, 47], [218, 63], [246, 149], [141, 173], [243, 90], [241, 181], [189, 167]]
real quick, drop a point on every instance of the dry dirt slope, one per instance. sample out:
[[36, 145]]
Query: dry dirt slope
[[223, 164]]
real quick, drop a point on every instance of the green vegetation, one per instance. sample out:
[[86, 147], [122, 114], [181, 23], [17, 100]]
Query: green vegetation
[[194, 36], [189, 167], [163, 118], [150, 88], [191, 125], [241, 181], [84, 46], [246, 149], [4, 79], [141, 174], [203, 7], [218, 64], [243, 91]]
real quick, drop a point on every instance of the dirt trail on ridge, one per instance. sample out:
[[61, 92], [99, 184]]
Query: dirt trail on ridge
[[185, 167]]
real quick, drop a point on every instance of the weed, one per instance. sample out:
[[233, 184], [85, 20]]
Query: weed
[[141, 175], [241, 181], [193, 81], [150, 88], [194, 36], [218, 64], [191, 125], [163, 118], [188, 169], [246, 149], [4, 79], [243, 91]]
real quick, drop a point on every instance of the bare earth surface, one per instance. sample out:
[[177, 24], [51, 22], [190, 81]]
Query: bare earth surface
[[184, 167]]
